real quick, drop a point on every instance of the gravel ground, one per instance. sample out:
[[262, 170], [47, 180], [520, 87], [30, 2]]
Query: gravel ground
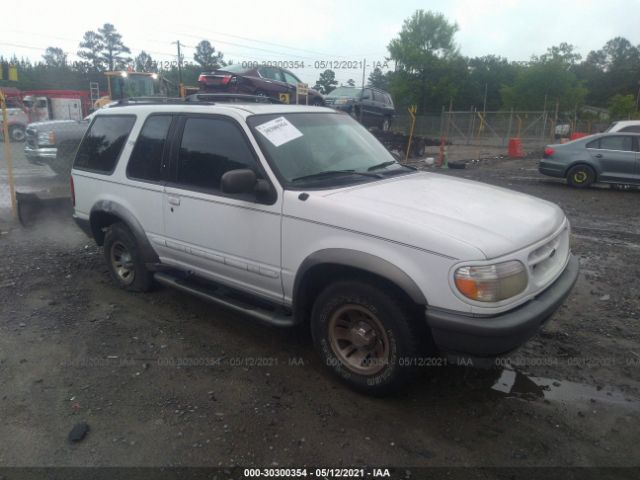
[[164, 379]]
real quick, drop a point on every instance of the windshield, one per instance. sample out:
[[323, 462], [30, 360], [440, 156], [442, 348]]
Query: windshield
[[132, 86], [322, 149], [345, 92]]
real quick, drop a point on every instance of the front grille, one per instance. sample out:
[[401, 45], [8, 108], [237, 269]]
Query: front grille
[[545, 262], [31, 137]]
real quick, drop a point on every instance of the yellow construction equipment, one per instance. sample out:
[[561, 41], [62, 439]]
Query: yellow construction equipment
[[124, 84]]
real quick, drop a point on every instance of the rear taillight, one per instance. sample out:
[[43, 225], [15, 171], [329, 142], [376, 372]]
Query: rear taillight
[[226, 79], [202, 78], [73, 192], [548, 152]]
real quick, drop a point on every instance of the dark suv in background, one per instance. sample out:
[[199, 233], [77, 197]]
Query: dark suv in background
[[376, 105], [264, 80]]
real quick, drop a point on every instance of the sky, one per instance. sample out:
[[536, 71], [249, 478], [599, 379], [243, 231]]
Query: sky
[[343, 32]]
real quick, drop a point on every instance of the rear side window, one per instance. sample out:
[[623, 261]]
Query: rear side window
[[632, 129], [103, 143], [210, 147], [619, 142], [145, 162]]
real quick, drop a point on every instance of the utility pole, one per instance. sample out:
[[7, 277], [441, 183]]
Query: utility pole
[[180, 85]]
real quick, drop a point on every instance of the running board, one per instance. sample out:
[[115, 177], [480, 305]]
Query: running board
[[275, 318]]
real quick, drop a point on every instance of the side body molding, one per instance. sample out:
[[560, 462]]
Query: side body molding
[[363, 261], [111, 208]]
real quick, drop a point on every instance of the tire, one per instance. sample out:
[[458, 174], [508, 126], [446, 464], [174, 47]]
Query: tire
[[350, 315], [63, 162], [581, 176], [124, 261], [386, 124], [17, 133]]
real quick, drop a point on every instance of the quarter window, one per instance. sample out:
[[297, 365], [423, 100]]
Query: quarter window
[[146, 159], [618, 142], [103, 143], [210, 147], [632, 129]]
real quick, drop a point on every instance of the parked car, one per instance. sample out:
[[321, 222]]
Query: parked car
[[627, 126], [298, 215], [371, 106], [44, 139], [606, 157], [268, 81]]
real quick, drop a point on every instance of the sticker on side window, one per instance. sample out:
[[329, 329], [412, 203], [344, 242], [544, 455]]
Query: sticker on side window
[[279, 131]]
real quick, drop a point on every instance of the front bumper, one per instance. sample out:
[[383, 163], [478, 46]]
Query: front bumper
[[39, 153], [458, 334]]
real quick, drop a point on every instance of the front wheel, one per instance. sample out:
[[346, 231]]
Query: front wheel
[[365, 336], [17, 133], [124, 260], [581, 176]]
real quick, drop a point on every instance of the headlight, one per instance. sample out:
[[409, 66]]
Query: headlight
[[491, 283], [46, 138]]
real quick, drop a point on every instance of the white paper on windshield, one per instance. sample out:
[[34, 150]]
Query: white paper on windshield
[[279, 131]]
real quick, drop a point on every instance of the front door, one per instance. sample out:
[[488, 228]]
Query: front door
[[231, 239], [617, 158]]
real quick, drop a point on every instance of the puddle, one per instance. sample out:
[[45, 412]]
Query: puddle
[[516, 384]]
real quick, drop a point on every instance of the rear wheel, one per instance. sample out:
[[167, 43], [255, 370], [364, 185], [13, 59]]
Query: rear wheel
[[124, 260], [365, 336], [581, 176]]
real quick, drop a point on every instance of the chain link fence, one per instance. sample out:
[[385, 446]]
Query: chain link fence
[[534, 128]]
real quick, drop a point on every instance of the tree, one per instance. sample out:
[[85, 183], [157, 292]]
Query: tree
[[424, 44], [377, 79], [144, 63], [326, 82], [113, 49], [564, 53], [550, 80], [207, 57], [90, 50], [54, 57], [351, 82], [622, 107]]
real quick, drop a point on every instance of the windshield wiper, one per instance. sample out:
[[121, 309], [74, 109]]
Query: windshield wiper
[[383, 165], [331, 173], [388, 164]]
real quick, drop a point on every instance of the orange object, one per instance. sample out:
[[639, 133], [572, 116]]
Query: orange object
[[515, 148], [576, 135], [441, 154]]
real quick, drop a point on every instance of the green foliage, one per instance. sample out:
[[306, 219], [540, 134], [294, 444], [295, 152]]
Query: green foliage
[[623, 107], [425, 37], [377, 79], [54, 57], [550, 80], [144, 63], [207, 57], [113, 50], [326, 82]]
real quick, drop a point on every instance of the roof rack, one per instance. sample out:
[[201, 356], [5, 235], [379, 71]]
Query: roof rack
[[201, 98], [230, 98]]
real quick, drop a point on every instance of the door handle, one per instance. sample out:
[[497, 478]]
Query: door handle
[[599, 155], [174, 200]]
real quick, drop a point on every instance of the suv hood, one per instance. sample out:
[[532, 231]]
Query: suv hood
[[418, 206]]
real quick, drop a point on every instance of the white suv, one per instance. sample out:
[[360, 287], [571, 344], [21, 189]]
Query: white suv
[[296, 214]]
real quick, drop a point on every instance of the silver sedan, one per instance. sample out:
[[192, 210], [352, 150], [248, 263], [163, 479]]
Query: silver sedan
[[607, 158]]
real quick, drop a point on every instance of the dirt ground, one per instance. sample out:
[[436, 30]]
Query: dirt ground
[[164, 379]]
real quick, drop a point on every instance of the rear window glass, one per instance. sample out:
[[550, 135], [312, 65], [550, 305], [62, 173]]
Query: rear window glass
[[145, 162], [103, 143]]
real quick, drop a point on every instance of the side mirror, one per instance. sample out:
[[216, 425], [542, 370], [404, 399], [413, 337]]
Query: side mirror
[[238, 181]]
